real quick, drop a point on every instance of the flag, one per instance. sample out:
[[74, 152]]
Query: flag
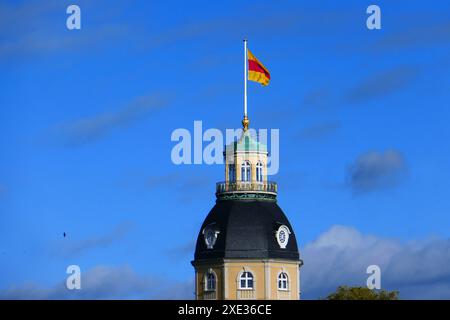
[[256, 71]]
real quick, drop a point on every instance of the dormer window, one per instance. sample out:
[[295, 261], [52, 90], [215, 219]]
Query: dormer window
[[246, 171]]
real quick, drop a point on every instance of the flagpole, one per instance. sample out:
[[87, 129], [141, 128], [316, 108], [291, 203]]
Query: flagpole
[[245, 122]]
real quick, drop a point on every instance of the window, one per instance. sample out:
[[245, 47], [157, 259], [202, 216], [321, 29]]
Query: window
[[210, 281], [246, 171], [282, 281], [259, 172], [231, 173], [246, 280]]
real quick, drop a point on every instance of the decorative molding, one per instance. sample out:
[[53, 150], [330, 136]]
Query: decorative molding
[[246, 196], [210, 235], [225, 282], [196, 285], [298, 283], [283, 242]]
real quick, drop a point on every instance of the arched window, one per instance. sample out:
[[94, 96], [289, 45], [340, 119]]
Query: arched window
[[282, 281], [210, 281], [246, 280], [246, 171], [231, 173], [259, 172]]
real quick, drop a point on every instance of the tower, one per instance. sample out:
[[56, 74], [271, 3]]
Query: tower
[[246, 247]]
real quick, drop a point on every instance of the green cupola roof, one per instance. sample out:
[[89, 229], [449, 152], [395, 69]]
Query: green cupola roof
[[248, 143]]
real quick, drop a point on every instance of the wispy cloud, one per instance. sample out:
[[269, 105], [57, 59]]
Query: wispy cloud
[[83, 131], [319, 98], [382, 84], [24, 15], [340, 256], [107, 282], [186, 185], [319, 131], [164, 180], [270, 22], [37, 32], [38, 43], [374, 86], [416, 36], [71, 248], [270, 25], [181, 251], [376, 170]]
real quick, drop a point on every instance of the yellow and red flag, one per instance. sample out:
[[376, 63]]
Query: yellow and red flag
[[256, 71]]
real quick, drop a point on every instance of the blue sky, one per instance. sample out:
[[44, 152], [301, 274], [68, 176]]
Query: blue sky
[[86, 118]]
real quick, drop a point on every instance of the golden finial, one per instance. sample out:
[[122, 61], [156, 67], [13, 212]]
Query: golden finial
[[245, 123]]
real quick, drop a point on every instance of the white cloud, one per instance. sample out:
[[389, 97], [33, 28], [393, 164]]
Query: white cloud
[[107, 282], [341, 255]]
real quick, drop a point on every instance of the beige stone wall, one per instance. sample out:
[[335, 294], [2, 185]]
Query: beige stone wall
[[292, 270], [265, 273], [234, 269], [200, 273], [253, 157]]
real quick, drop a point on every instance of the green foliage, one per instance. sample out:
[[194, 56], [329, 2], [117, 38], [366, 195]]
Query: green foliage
[[361, 293]]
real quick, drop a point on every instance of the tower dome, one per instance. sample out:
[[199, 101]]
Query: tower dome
[[245, 229], [246, 248]]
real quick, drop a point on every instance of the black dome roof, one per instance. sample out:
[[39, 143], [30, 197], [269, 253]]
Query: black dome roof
[[246, 230]]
